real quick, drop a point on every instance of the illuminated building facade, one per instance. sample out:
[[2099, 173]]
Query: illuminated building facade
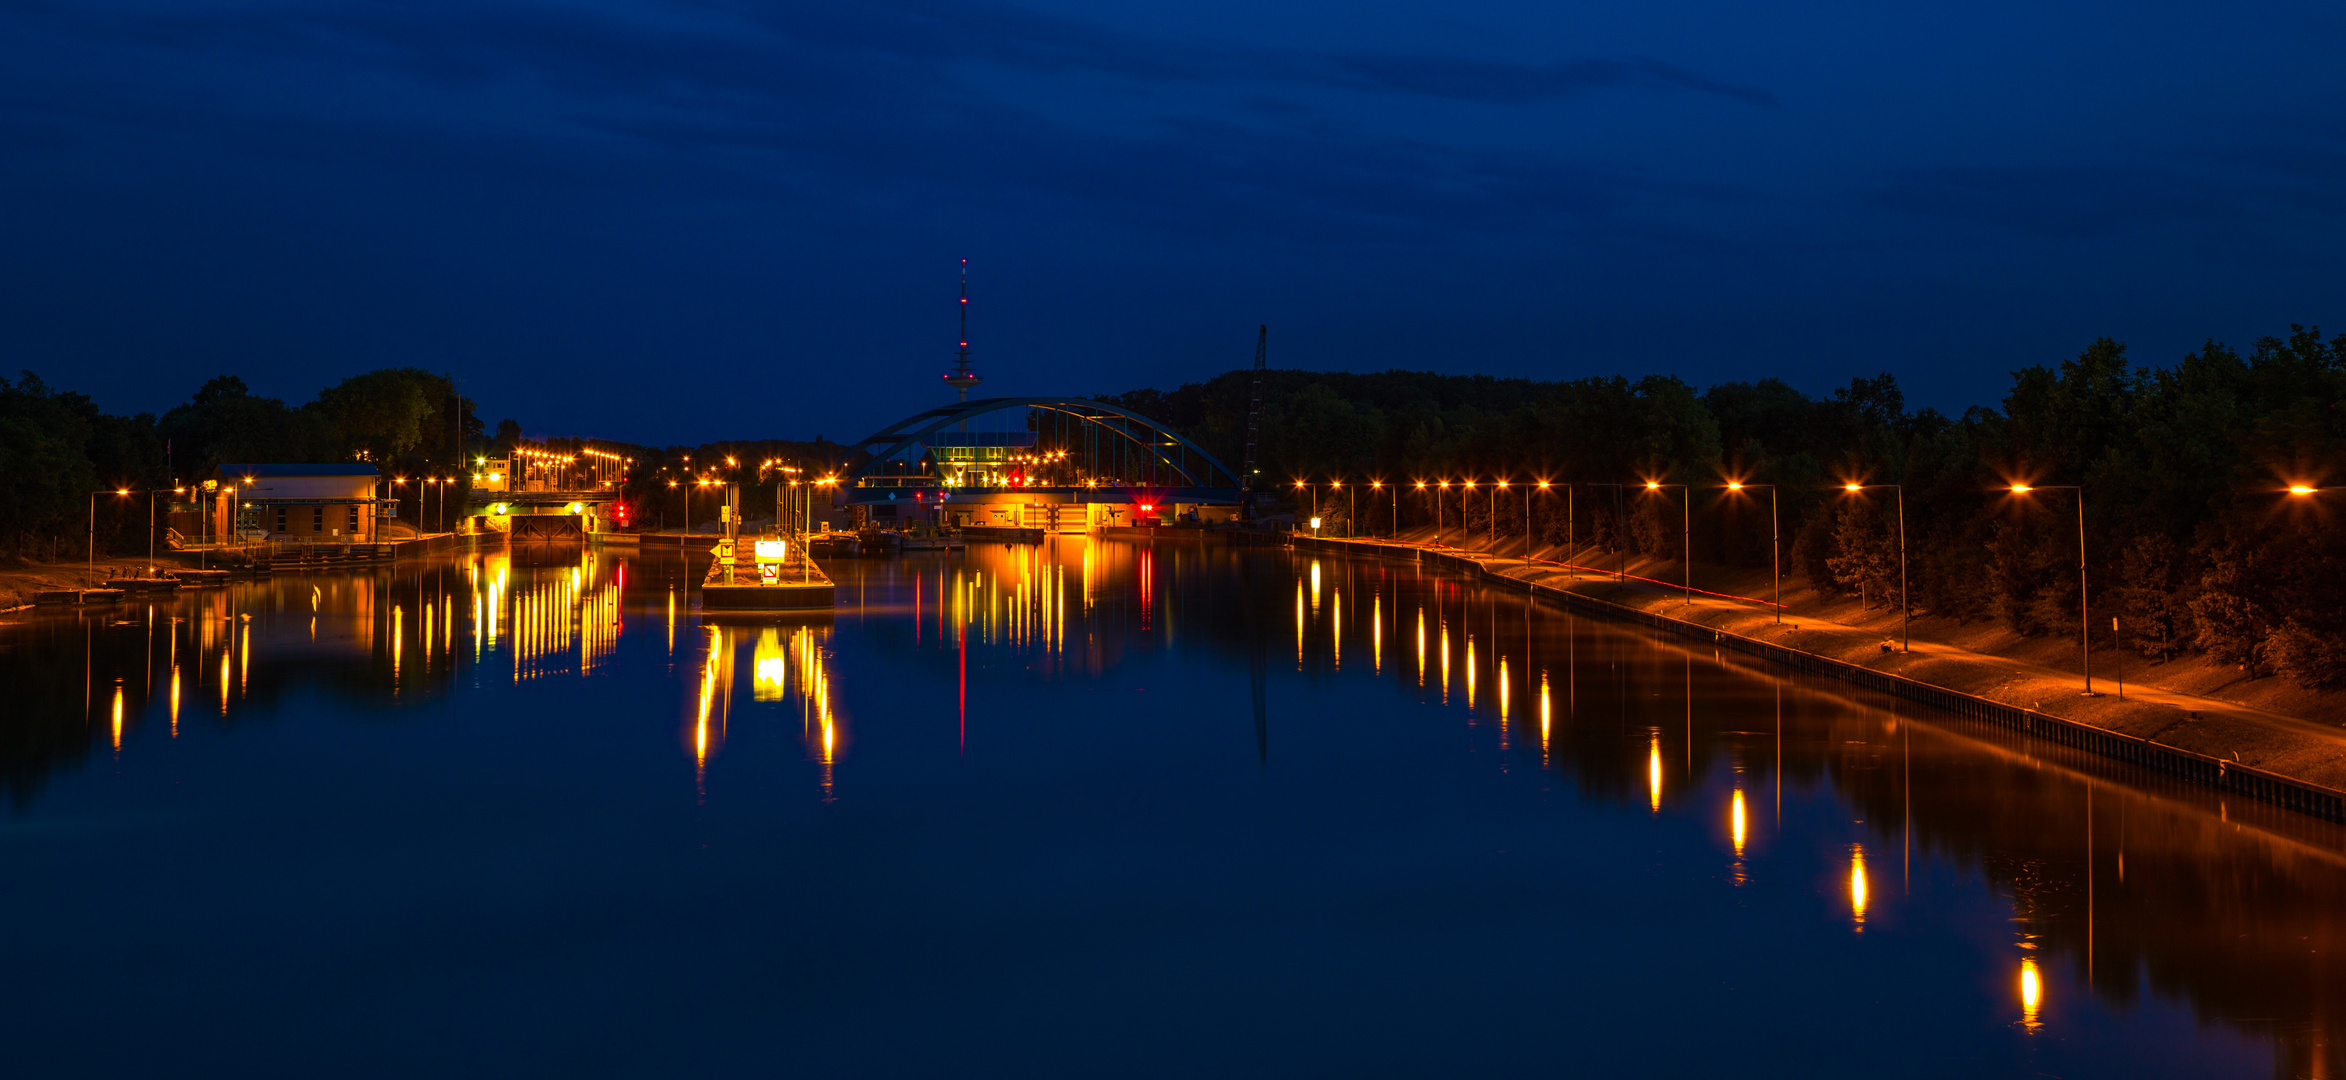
[[535, 492], [310, 503]]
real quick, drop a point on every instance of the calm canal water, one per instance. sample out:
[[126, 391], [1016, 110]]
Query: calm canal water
[[1087, 809]]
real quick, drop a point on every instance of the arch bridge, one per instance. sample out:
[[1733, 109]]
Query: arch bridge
[[1056, 463]]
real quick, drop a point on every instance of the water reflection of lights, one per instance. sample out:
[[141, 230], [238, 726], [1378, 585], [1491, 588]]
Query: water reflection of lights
[[1445, 663], [785, 666], [1299, 626], [1377, 633], [709, 714], [118, 718], [1859, 891], [1421, 648], [1470, 675], [1653, 771], [1736, 822], [2032, 994], [1545, 725]]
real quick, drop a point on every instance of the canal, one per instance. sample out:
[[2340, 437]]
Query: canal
[[1084, 809]]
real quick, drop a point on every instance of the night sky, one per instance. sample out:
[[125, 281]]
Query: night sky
[[678, 222]]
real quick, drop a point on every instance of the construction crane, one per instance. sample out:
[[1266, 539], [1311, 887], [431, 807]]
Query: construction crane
[[1254, 424]]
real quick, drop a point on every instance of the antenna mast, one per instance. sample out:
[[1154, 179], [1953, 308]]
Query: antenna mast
[[1254, 424], [961, 378]]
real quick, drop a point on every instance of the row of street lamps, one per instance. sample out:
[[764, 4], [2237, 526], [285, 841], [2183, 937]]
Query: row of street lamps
[[803, 501], [440, 494], [1775, 539], [151, 495], [1685, 526]]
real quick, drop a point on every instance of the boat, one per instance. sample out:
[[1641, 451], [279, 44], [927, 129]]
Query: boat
[[834, 543], [929, 538]]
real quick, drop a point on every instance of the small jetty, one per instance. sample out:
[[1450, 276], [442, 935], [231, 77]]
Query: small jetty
[[773, 573]]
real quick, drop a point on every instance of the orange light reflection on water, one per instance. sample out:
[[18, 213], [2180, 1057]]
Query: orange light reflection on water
[[1859, 890]]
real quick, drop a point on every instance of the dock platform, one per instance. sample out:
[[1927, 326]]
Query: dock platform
[[799, 586]]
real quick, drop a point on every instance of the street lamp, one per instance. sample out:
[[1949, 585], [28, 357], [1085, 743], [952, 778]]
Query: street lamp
[[1350, 503], [1685, 535], [1379, 486], [1527, 521], [94, 521], [151, 497], [1439, 488], [1906, 608], [1463, 490], [1495, 520], [2084, 624], [1621, 549], [1775, 544]]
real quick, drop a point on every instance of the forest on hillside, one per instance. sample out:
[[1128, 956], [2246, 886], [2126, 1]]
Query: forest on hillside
[[2191, 539]]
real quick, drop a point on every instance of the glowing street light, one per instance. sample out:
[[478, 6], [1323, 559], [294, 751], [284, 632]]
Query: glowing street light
[[1527, 535], [2084, 607], [1495, 490], [1905, 607], [151, 497], [94, 521], [1439, 488], [1775, 544], [1685, 535]]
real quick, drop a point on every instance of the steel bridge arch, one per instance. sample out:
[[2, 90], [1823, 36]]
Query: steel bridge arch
[[904, 434]]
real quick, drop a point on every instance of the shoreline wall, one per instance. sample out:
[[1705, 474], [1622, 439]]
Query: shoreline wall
[[2249, 781]]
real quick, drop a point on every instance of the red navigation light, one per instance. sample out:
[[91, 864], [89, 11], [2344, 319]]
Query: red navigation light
[[1148, 506]]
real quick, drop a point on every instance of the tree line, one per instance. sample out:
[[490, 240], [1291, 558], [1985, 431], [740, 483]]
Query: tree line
[[58, 448], [2191, 540]]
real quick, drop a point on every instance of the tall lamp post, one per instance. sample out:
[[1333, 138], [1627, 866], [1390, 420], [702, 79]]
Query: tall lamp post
[[1621, 553], [1775, 543], [1465, 489], [1495, 519], [151, 497], [1906, 608], [1685, 535], [94, 521], [2084, 623], [1439, 488], [1379, 487], [1527, 521]]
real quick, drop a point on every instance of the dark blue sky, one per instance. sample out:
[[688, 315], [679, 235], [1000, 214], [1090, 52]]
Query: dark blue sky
[[671, 222]]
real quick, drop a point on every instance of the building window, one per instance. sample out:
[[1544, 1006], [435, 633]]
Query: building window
[[317, 519], [280, 519], [354, 519]]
